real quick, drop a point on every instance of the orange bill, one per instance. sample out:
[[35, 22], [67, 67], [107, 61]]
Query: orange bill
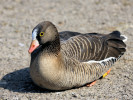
[[33, 46]]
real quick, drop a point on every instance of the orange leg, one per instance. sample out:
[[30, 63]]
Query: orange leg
[[106, 73], [91, 84]]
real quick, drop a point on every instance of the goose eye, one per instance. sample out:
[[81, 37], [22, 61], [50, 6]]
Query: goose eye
[[42, 33]]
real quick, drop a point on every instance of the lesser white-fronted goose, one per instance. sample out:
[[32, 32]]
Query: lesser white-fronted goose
[[67, 59]]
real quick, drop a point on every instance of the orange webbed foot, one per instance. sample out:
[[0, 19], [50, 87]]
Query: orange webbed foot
[[91, 84]]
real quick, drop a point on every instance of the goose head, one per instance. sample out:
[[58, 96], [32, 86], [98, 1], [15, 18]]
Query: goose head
[[45, 32]]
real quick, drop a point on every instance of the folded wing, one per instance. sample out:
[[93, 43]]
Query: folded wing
[[94, 46]]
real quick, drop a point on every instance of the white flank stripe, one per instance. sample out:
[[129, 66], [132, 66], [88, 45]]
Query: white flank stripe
[[105, 60]]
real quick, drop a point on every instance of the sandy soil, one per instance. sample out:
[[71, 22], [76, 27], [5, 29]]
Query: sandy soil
[[18, 18]]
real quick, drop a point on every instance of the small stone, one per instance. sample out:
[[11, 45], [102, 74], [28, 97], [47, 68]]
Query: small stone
[[21, 44]]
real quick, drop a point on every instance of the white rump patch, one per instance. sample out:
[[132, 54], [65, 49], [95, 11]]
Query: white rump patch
[[34, 34], [105, 60], [125, 38]]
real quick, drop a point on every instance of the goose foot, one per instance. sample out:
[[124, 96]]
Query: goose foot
[[106, 73], [91, 84]]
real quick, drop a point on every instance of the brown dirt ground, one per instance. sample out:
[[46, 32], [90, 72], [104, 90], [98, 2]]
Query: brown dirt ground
[[18, 18]]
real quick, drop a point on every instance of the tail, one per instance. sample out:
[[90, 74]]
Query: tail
[[116, 44]]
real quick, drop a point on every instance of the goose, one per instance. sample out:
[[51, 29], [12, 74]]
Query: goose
[[65, 60]]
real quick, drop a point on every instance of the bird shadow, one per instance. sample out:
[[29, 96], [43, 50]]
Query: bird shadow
[[20, 81]]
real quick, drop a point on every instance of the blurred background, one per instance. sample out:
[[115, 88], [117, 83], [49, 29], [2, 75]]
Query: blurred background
[[19, 17]]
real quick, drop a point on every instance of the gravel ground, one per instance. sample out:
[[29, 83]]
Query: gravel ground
[[18, 18]]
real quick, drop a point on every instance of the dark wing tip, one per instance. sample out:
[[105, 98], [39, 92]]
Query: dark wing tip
[[116, 34]]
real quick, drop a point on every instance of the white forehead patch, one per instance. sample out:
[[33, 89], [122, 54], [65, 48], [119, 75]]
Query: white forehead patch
[[34, 34]]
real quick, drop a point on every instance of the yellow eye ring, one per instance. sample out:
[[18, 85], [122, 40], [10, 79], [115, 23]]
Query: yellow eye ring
[[42, 33]]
